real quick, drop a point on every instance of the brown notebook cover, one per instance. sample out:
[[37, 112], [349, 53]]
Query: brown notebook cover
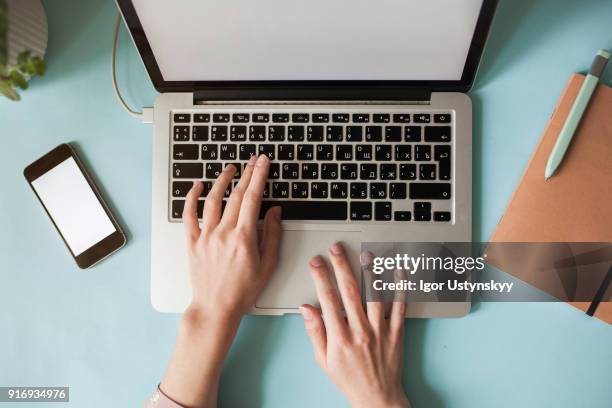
[[575, 205]]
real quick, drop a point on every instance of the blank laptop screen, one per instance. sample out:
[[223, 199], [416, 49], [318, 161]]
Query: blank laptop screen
[[236, 40]]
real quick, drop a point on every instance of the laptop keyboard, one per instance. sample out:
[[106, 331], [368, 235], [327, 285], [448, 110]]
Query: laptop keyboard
[[349, 166]]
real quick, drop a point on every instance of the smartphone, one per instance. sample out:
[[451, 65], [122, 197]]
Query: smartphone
[[74, 205]]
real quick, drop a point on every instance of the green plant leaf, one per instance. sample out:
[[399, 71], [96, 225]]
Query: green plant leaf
[[40, 66], [18, 80], [7, 90], [23, 56]]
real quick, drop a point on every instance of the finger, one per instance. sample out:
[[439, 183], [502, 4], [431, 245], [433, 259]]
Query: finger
[[328, 297], [232, 209], [249, 211], [349, 290], [214, 199], [316, 331], [396, 320], [190, 211], [270, 240], [375, 308]]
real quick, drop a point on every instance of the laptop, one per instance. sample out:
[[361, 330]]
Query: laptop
[[361, 106]]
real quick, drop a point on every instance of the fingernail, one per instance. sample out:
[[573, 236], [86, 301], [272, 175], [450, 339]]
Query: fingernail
[[336, 248], [230, 167], [316, 261], [261, 160], [276, 213], [252, 161], [306, 314], [366, 258]]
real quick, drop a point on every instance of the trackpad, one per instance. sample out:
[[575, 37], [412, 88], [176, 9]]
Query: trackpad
[[291, 285]]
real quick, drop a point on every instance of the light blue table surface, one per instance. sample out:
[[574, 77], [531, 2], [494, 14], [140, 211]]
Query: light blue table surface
[[96, 331]]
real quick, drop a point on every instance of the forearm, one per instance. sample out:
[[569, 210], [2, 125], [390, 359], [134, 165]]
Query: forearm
[[192, 377]]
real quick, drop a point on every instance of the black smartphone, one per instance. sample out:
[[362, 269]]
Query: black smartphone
[[74, 205]]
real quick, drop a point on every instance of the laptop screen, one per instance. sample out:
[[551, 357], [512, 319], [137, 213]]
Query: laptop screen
[[304, 40]]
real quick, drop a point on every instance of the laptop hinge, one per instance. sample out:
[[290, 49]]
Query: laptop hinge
[[376, 94]]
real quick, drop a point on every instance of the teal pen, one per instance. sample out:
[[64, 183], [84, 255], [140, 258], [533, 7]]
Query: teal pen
[[578, 108]]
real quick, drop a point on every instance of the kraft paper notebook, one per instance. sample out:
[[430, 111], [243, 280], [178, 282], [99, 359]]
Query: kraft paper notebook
[[575, 205]]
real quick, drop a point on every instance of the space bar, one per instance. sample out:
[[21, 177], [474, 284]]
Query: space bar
[[308, 210]]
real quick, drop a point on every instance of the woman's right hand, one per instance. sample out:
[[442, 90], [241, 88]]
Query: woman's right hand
[[362, 353]]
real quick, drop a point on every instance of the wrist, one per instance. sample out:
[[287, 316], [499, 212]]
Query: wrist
[[198, 320], [399, 401]]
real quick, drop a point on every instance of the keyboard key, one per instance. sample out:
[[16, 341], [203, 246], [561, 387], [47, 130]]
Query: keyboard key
[[209, 152], [334, 134], [382, 153], [286, 152], [422, 118], [241, 117], [442, 216], [361, 211], [381, 118], [188, 170], [361, 117], [397, 191], [359, 190], [320, 117], [403, 152], [266, 192], [314, 133], [218, 133], [430, 191], [310, 171], [325, 152], [201, 117], [339, 190], [267, 149], [299, 190], [221, 117], [274, 173], [318, 190], [213, 170], [393, 134], [295, 134], [412, 133], [257, 133], [373, 134], [182, 117], [280, 190], [276, 133], [368, 171], [408, 171], [228, 191], [245, 151], [442, 118], [378, 191], [344, 152], [388, 171], [402, 216], [261, 117], [280, 117], [382, 211], [300, 117], [401, 118], [181, 188], [238, 133], [442, 156], [207, 187], [340, 117], [422, 152], [427, 172], [228, 152], [354, 133], [200, 133], [185, 152], [181, 133], [329, 171], [177, 208], [308, 210], [363, 152], [437, 133], [422, 211], [305, 152], [348, 171], [291, 171]]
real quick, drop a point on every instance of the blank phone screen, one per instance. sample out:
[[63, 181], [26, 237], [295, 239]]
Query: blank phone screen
[[73, 206]]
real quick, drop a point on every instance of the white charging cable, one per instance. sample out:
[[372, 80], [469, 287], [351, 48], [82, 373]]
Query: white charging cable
[[147, 114]]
